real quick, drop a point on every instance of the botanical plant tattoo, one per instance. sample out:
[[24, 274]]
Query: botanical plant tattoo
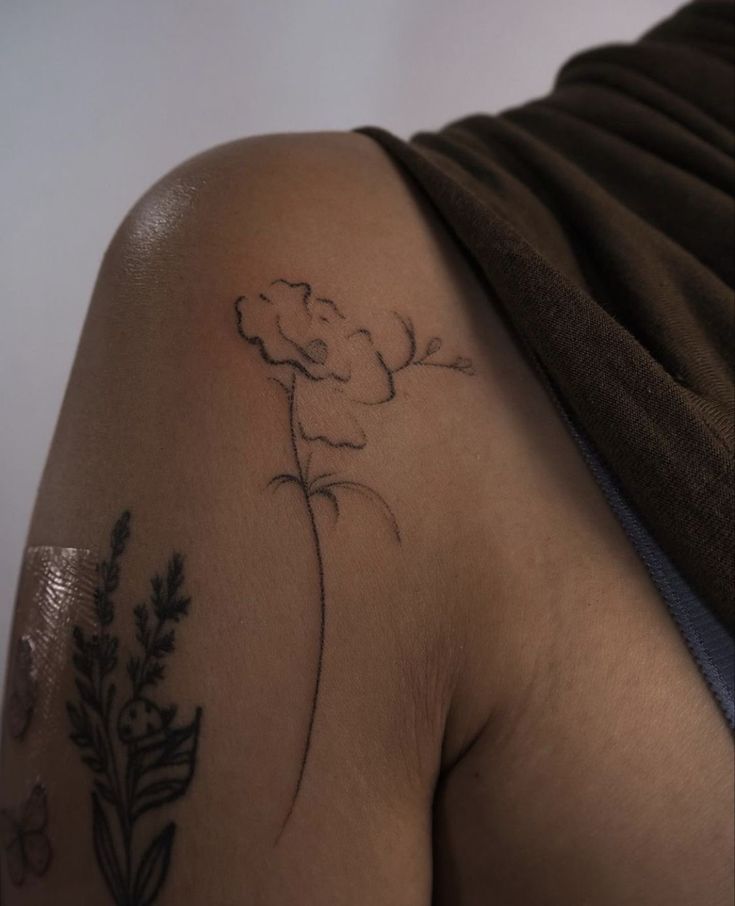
[[23, 834], [139, 759], [329, 369]]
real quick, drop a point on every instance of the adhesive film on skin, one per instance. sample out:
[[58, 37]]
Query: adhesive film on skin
[[55, 591]]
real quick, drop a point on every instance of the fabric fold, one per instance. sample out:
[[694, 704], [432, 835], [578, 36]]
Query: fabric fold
[[602, 219]]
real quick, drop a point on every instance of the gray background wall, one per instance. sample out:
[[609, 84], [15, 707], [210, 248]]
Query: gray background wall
[[98, 98]]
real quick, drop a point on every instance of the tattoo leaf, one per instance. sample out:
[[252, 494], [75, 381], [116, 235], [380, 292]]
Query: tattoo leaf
[[133, 669], [278, 480], [78, 718], [167, 605], [105, 792], [142, 633], [82, 658], [104, 847], [94, 763], [109, 571], [154, 673], [87, 695], [434, 345], [328, 488], [107, 653], [164, 644], [162, 769], [153, 867], [328, 495], [112, 689], [411, 334]]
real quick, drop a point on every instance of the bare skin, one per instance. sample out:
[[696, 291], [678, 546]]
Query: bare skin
[[506, 712]]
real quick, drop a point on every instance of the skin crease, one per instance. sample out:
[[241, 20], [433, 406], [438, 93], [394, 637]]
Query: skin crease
[[508, 714]]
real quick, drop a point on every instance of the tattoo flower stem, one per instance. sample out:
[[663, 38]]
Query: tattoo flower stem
[[302, 482]]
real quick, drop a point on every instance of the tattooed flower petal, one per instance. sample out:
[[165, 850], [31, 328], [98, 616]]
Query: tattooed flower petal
[[325, 412], [291, 326]]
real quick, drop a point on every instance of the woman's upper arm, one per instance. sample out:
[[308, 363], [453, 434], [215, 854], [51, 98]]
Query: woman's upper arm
[[235, 643]]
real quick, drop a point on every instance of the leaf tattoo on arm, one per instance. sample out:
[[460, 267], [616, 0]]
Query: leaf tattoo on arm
[[329, 368], [139, 759]]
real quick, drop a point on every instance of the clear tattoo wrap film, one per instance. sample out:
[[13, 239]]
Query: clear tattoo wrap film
[[55, 590]]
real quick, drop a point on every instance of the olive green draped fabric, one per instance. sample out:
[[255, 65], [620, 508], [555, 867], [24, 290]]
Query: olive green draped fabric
[[601, 217]]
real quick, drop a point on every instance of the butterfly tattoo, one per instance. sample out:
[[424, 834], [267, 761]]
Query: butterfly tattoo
[[23, 837]]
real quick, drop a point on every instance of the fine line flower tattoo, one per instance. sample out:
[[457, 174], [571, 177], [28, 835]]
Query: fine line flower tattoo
[[139, 759], [330, 371]]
